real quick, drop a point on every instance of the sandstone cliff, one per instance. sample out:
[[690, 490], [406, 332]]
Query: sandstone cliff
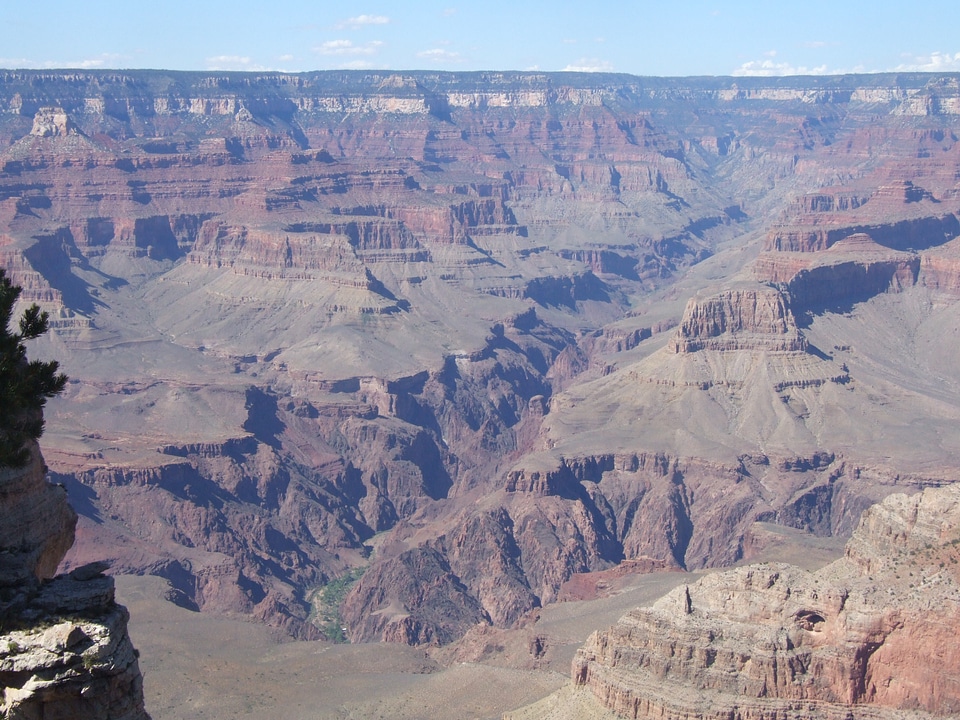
[[740, 319], [870, 635], [64, 648]]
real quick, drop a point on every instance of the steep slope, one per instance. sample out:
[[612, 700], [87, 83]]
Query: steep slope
[[867, 636]]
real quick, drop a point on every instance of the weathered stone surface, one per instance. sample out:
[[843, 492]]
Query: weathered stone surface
[[51, 122], [64, 648], [870, 635], [36, 526], [739, 319], [940, 268], [82, 666]]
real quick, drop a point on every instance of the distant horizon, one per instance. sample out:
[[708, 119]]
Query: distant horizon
[[499, 71], [686, 38]]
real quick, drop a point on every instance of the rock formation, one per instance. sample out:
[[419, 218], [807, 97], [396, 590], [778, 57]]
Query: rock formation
[[740, 319], [869, 636], [36, 530], [64, 648], [51, 122]]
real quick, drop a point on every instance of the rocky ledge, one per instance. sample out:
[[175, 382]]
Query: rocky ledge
[[64, 647], [870, 636]]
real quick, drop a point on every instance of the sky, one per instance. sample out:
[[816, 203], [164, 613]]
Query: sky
[[666, 37]]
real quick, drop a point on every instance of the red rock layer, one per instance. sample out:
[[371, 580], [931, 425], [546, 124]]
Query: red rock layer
[[869, 636]]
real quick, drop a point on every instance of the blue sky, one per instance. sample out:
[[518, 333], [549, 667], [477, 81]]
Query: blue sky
[[679, 37]]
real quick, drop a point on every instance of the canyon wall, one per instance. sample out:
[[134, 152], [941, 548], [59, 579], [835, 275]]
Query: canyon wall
[[867, 636]]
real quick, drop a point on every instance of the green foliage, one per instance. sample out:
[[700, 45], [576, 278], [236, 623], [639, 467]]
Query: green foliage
[[24, 385], [326, 604]]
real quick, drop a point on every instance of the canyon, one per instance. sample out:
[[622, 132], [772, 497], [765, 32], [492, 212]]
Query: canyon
[[867, 636], [483, 336]]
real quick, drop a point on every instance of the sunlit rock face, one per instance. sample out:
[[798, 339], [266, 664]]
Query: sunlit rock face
[[36, 529], [867, 636], [64, 648]]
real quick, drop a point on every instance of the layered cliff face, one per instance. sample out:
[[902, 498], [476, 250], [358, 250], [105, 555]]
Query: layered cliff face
[[65, 649], [750, 318], [37, 530], [434, 324], [867, 636]]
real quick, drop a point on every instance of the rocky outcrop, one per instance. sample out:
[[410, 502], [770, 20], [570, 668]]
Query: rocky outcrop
[[916, 234], [67, 654], [752, 318], [64, 648], [940, 268], [52, 122], [852, 270], [914, 219], [415, 600], [844, 244], [36, 530], [868, 636]]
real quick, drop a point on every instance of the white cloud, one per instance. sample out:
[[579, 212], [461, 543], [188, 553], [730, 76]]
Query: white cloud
[[355, 23], [104, 60], [355, 65], [285, 58], [769, 68], [814, 44], [589, 65], [440, 55], [91, 63], [16, 63], [934, 62], [334, 47], [233, 62], [449, 12], [346, 47]]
